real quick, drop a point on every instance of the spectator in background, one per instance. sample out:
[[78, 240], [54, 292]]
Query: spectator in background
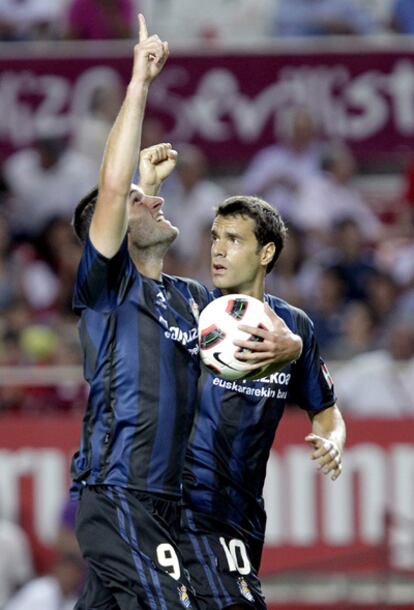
[[277, 172], [190, 200], [16, 566], [327, 308], [296, 273], [351, 255], [382, 297], [15, 320], [402, 18], [91, 130], [395, 255], [405, 305], [328, 198], [210, 23], [358, 332], [31, 19], [57, 591], [10, 267], [102, 19], [379, 10], [47, 179], [381, 382], [322, 17], [61, 252], [51, 343]]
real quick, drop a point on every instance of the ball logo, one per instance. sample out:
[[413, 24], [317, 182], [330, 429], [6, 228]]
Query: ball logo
[[217, 356], [236, 308], [210, 337]]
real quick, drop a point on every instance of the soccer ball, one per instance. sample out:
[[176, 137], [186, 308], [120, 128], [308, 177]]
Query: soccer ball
[[218, 328]]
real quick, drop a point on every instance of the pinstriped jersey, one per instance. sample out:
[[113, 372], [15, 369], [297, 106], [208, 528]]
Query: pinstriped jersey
[[234, 428], [139, 342]]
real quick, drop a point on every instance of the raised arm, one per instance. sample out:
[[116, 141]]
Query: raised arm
[[110, 219]]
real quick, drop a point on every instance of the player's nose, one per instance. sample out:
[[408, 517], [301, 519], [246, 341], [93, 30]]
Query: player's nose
[[153, 202], [217, 249]]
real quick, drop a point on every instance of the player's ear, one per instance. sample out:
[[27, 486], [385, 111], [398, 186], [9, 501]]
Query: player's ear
[[268, 252]]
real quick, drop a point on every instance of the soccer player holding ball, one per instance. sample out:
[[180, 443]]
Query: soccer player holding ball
[[224, 517]]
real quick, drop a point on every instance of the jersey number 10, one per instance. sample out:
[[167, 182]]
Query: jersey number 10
[[236, 555]]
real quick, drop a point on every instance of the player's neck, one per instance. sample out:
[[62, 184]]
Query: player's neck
[[149, 262], [258, 294], [255, 290]]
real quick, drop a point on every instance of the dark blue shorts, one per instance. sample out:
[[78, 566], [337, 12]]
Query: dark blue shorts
[[220, 564], [128, 540]]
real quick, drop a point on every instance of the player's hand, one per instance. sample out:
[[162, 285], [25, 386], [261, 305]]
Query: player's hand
[[150, 55], [276, 347], [327, 453], [155, 164]]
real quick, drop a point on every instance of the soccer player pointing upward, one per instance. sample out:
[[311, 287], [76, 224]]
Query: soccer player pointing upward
[[138, 332], [224, 518]]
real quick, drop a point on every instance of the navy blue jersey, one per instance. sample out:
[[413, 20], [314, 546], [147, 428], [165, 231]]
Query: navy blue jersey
[[139, 342], [234, 428]]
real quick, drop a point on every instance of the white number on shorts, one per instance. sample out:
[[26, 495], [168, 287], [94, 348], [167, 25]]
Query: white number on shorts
[[167, 558], [236, 556]]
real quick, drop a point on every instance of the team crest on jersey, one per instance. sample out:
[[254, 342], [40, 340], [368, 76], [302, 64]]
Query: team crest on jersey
[[327, 375], [160, 300], [183, 596], [244, 589]]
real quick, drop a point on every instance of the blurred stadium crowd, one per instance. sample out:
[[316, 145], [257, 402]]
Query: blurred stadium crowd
[[348, 262], [215, 22]]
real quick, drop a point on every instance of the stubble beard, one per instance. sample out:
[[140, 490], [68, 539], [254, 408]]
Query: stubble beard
[[154, 245]]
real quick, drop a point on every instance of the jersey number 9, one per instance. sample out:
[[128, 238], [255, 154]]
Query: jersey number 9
[[167, 558]]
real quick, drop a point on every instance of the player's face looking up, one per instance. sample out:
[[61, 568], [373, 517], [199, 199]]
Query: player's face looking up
[[238, 262], [147, 225]]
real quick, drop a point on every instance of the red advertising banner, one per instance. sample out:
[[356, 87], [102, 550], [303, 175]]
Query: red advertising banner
[[363, 522], [35, 454], [230, 103]]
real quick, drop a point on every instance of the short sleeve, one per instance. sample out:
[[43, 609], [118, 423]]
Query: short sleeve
[[311, 385], [101, 283]]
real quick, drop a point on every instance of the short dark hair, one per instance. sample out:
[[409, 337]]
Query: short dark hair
[[83, 213], [269, 225]]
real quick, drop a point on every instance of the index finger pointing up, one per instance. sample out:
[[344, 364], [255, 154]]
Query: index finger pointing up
[[143, 31]]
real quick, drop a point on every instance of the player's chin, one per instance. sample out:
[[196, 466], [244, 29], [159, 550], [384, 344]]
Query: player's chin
[[220, 281], [168, 227]]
